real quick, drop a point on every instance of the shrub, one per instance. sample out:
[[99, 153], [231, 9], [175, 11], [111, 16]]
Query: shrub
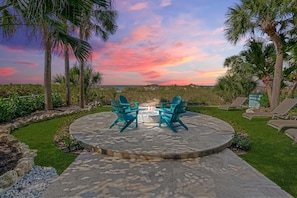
[[57, 100], [241, 141], [16, 106], [264, 102]]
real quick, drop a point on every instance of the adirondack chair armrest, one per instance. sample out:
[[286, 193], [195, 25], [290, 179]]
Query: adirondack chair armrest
[[164, 111], [130, 107], [134, 105]]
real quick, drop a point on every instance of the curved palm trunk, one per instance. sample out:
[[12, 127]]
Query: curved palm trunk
[[270, 29], [269, 94], [278, 68], [267, 81], [292, 90], [67, 76], [47, 69]]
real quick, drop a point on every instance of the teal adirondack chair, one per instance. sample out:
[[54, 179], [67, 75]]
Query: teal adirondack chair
[[129, 106], [123, 115], [173, 116], [167, 106]]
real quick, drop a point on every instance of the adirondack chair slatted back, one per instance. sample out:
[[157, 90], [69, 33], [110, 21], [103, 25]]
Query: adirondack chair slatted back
[[173, 116], [119, 110], [133, 106], [127, 117], [169, 106], [123, 99]]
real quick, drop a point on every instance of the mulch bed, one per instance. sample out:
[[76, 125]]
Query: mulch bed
[[9, 156]]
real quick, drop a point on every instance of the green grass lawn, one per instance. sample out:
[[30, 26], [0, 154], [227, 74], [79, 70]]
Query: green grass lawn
[[40, 136], [272, 152]]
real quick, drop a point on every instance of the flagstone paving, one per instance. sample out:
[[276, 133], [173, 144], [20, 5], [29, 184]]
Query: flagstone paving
[[152, 161], [206, 135]]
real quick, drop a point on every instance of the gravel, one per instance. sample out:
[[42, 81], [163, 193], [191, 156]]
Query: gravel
[[33, 183]]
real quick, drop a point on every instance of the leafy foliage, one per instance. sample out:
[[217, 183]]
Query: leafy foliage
[[241, 141], [17, 106]]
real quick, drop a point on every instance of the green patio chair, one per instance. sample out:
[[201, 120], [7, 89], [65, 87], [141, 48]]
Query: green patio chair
[[173, 116], [124, 115], [167, 106], [129, 106]]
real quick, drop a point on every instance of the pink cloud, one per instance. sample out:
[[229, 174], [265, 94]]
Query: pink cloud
[[141, 34], [213, 73], [6, 71], [151, 74], [138, 6], [27, 63], [139, 58], [16, 49], [165, 3]]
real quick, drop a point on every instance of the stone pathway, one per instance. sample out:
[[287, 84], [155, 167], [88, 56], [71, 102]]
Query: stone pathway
[[141, 162]]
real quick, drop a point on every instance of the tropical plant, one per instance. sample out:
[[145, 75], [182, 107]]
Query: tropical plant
[[261, 59], [273, 18], [230, 87], [45, 19], [100, 19], [16, 106], [11, 15], [290, 73], [91, 77], [237, 81]]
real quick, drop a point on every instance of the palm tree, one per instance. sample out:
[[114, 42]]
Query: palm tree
[[238, 79], [267, 17], [237, 66], [100, 19], [11, 16], [290, 73], [230, 87], [91, 77], [44, 16], [261, 60]]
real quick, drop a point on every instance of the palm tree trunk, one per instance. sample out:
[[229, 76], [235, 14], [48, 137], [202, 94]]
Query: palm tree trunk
[[81, 85], [47, 69], [292, 90], [67, 77], [81, 75], [269, 94], [278, 70]]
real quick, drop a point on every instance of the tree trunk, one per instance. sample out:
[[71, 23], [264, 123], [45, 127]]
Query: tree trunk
[[81, 85], [278, 70], [269, 94], [48, 104], [81, 75], [292, 90], [67, 77]]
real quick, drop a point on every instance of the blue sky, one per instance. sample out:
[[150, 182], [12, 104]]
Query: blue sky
[[161, 42]]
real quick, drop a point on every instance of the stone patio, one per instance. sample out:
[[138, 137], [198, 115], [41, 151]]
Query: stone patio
[[152, 161]]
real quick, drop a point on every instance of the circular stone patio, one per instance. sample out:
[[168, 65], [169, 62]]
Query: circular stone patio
[[206, 135]]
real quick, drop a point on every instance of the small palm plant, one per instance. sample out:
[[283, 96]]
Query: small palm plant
[[91, 78]]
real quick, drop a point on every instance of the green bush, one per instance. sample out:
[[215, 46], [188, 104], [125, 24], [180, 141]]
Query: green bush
[[16, 106], [241, 141], [57, 100], [264, 102]]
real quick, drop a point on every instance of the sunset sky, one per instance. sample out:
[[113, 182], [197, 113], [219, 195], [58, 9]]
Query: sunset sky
[[161, 42]]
